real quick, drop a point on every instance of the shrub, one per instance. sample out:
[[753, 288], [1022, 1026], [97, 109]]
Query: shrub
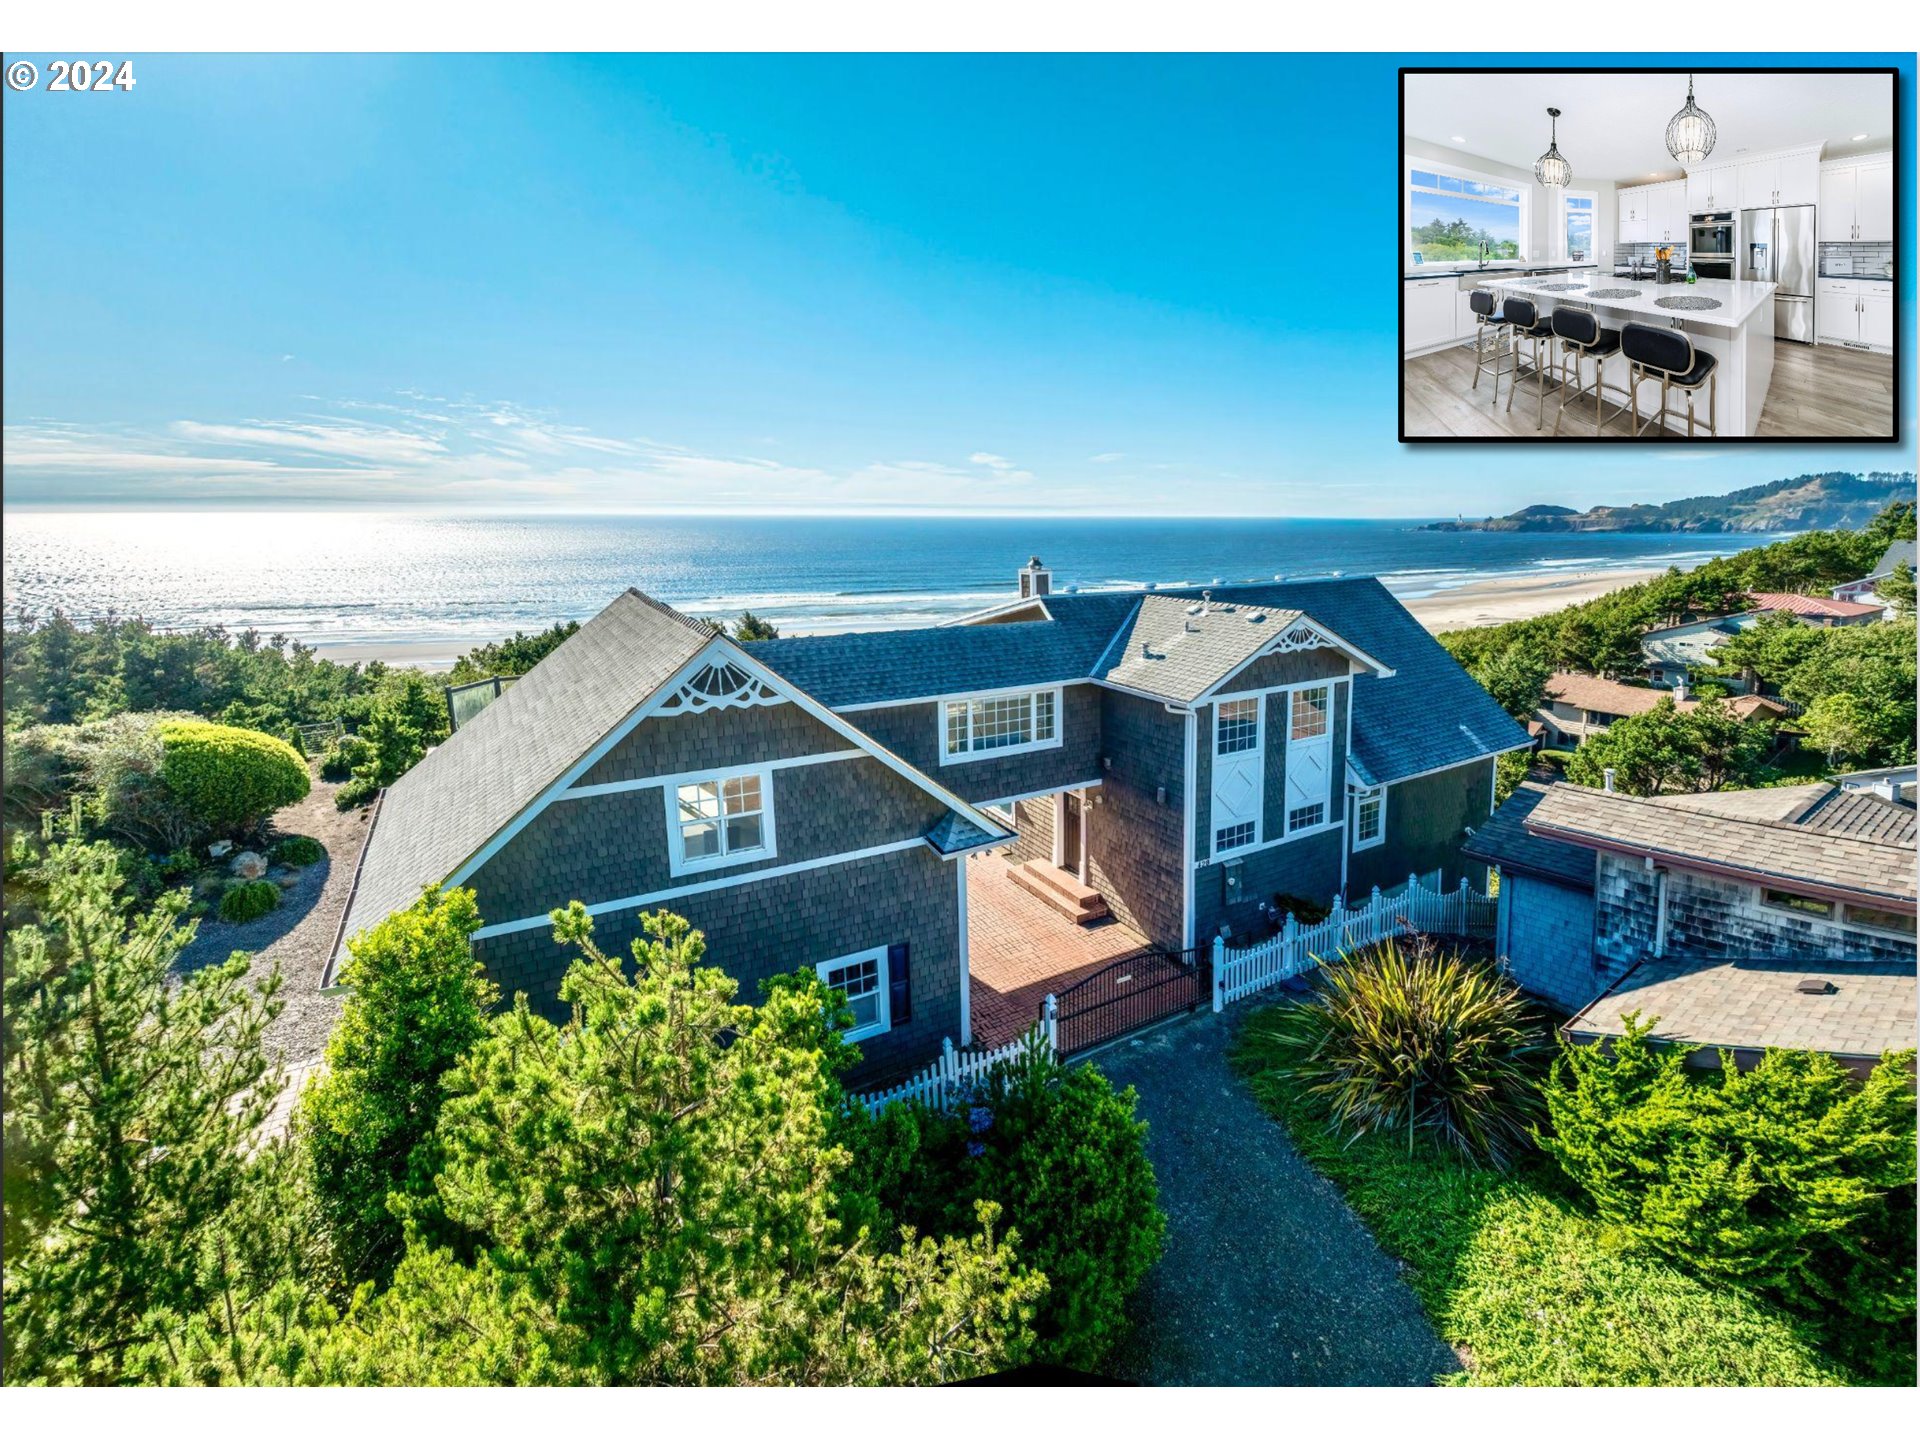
[[1410, 1039], [1063, 1156], [298, 850], [357, 791], [1790, 1178], [230, 779], [248, 900], [343, 757]]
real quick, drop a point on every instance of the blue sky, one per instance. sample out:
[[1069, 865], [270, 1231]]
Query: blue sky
[[1114, 285]]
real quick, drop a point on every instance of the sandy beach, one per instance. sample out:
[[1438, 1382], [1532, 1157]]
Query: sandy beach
[[1480, 602]]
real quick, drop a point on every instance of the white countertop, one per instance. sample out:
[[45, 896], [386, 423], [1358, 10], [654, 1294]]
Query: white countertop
[[1738, 298]]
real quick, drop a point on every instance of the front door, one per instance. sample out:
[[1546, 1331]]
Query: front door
[[1072, 838]]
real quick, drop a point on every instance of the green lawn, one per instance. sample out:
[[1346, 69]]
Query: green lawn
[[1529, 1290]]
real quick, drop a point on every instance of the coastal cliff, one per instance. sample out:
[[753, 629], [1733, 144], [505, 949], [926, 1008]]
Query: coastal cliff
[[1836, 500]]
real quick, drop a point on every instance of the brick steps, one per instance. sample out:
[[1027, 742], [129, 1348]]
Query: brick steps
[[1059, 891]]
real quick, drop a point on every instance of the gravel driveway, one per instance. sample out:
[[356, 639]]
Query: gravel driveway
[[297, 936], [1267, 1278]]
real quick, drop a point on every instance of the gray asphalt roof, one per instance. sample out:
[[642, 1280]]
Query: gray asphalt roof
[[1757, 1004], [1429, 715], [1503, 840], [1179, 648], [1900, 552], [1863, 814], [491, 768], [1764, 849]]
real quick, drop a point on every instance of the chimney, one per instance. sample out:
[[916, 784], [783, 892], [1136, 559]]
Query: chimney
[[1680, 692], [1606, 779], [1035, 580]]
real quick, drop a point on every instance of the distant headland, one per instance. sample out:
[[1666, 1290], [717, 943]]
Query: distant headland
[[1836, 500]]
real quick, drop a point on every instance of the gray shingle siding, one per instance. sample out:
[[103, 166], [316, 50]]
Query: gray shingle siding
[[713, 740], [1308, 867], [1034, 820], [1427, 822], [1290, 669], [913, 732], [1134, 853], [1544, 935], [793, 922]]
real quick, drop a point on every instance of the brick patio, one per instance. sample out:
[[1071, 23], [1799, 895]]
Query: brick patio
[[1019, 950]]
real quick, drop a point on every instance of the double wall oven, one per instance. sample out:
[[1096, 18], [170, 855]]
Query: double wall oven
[[1710, 245]]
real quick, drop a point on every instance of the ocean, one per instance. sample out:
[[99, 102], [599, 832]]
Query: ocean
[[333, 578]]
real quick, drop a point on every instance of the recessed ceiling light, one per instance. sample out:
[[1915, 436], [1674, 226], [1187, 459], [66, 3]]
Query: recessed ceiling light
[[1859, 137], [1461, 139]]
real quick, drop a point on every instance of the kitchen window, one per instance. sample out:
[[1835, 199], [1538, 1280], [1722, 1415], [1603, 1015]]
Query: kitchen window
[[1577, 211], [862, 981], [1369, 817], [999, 724], [718, 820], [1452, 214]]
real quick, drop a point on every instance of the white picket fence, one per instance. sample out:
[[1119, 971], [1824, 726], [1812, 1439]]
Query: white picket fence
[[1299, 948], [950, 1078]]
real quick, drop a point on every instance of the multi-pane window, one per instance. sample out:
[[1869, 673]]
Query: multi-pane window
[[1232, 837], [1457, 217], [1369, 818], [1001, 722], [1238, 727], [1805, 904], [1310, 712], [720, 819], [1304, 817], [1888, 920], [1579, 211], [862, 981]]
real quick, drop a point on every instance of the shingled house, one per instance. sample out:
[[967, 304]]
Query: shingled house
[[1710, 911], [1177, 759]]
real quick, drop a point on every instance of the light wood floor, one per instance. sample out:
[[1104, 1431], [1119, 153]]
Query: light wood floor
[[1817, 391]]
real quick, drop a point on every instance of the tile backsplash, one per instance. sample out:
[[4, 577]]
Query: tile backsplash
[[1642, 250], [1870, 260]]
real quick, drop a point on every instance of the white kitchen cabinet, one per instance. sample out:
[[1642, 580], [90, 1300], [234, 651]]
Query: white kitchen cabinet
[[1712, 190], [1667, 213], [1839, 194], [1854, 313], [1630, 207], [1465, 322], [1759, 183], [1799, 178], [1429, 312], [1876, 317], [1873, 211]]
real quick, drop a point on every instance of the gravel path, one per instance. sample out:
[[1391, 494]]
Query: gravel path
[[1267, 1278], [298, 936]]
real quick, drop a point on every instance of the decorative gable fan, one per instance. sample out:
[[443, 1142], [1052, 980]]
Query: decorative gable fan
[[719, 686]]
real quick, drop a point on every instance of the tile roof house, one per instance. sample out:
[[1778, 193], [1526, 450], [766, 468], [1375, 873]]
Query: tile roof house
[[1674, 652], [1713, 904], [1188, 755]]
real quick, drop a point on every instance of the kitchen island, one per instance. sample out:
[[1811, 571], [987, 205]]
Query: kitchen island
[[1731, 320]]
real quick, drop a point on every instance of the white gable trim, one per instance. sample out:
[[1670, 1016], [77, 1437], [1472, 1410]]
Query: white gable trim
[[718, 650], [1301, 635]]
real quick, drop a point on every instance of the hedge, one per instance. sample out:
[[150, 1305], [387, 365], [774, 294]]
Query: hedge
[[249, 900], [229, 778]]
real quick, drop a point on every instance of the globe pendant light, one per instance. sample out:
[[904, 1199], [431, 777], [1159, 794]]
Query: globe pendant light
[[1552, 168], [1690, 134]]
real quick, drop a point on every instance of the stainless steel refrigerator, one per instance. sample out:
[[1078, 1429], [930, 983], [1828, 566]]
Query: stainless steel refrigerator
[[1778, 245]]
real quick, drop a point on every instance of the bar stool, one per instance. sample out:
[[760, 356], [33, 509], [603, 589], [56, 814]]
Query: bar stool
[[1487, 316], [1524, 317], [1669, 355], [1581, 337]]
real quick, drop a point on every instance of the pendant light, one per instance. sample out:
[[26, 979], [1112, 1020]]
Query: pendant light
[[1690, 134], [1552, 168]]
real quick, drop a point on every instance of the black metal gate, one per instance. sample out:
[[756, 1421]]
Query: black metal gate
[[1128, 994]]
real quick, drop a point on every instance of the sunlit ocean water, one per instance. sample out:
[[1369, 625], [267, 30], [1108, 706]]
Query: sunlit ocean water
[[331, 578]]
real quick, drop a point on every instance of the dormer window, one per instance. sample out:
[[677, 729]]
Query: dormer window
[[1001, 723]]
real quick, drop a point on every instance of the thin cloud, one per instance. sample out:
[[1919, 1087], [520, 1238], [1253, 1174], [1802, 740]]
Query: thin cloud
[[1106, 459]]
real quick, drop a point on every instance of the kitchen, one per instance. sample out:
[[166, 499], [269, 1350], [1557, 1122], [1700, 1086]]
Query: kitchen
[[1721, 245]]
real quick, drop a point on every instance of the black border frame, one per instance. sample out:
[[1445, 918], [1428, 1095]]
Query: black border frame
[[1899, 238]]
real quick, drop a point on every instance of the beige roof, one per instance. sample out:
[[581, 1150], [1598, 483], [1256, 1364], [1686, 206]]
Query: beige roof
[[1615, 697], [1775, 804], [1179, 647], [1758, 1004], [1805, 858]]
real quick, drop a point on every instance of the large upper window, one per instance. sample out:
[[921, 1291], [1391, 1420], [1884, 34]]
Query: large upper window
[[995, 724], [862, 981], [1451, 215], [721, 820], [1577, 209], [1238, 727], [1310, 712]]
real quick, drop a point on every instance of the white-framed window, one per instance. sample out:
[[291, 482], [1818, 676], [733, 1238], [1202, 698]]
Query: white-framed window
[[721, 819], [1233, 837], [1237, 727], [1369, 817], [1579, 212], [1310, 712], [1004, 723], [1452, 213], [1306, 817], [862, 979]]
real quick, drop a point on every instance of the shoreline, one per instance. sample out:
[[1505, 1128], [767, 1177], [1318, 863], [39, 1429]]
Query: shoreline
[[1492, 601]]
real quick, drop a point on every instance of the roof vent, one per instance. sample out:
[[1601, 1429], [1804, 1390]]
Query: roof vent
[[1280, 577], [1815, 985], [1153, 585], [1196, 609], [1254, 617]]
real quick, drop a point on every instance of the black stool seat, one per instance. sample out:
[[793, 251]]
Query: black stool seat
[[1702, 367], [1607, 343], [1539, 329]]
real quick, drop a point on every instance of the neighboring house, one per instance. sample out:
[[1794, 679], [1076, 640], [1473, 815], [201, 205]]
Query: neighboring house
[[1578, 707], [1714, 892], [1893, 782], [1867, 588], [1186, 755], [1674, 652]]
